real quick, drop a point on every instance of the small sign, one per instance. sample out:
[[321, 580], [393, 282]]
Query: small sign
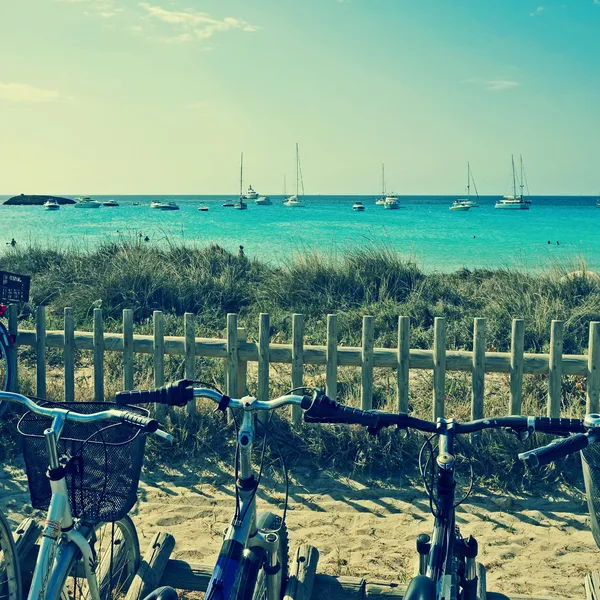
[[13, 287]]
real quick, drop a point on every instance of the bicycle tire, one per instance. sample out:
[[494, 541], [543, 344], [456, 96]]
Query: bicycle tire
[[10, 572], [118, 539], [270, 522]]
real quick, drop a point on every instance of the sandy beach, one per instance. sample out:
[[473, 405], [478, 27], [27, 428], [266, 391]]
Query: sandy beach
[[531, 546]]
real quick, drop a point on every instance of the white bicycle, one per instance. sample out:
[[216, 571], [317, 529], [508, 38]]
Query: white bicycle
[[83, 462]]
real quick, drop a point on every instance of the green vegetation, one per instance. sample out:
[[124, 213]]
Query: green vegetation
[[211, 282]]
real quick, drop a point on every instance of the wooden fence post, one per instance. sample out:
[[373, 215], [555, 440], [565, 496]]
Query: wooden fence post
[[555, 368], [69, 355], [232, 356], [368, 335], [190, 355], [297, 362], [403, 363], [331, 357], [516, 366], [439, 367], [158, 355], [478, 374], [242, 366], [98, 356], [40, 331], [264, 334], [593, 369], [13, 350], [127, 349]]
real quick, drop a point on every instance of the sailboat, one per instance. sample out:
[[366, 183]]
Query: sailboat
[[296, 199], [515, 201], [241, 205], [381, 201], [464, 204]]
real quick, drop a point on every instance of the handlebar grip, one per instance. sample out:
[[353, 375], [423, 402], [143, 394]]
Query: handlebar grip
[[144, 423], [559, 425], [555, 450], [326, 410], [174, 394]]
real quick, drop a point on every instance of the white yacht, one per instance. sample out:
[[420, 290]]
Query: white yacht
[[203, 208], [464, 204], [112, 202], [358, 206], [296, 199], [264, 201], [155, 204], [460, 205], [86, 202], [514, 201], [168, 206], [51, 204], [250, 194], [391, 202]]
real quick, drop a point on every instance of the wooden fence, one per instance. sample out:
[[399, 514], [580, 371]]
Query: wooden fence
[[237, 351]]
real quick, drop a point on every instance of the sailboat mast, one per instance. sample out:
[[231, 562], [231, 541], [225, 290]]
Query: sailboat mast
[[241, 173], [512, 158], [468, 181], [382, 179], [522, 184], [297, 169]]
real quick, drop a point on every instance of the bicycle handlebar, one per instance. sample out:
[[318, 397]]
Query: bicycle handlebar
[[125, 416]]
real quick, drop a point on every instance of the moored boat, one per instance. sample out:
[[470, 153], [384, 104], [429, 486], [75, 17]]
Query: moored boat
[[51, 204], [168, 206], [358, 206], [203, 208], [296, 199], [155, 204], [514, 201], [86, 202], [250, 194], [460, 205], [391, 202], [464, 204], [111, 202], [264, 201]]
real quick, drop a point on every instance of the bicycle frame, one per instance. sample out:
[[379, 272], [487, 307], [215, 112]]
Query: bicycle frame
[[59, 528], [443, 561], [244, 547]]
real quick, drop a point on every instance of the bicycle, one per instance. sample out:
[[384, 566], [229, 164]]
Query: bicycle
[[253, 560], [87, 485], [447, 564]]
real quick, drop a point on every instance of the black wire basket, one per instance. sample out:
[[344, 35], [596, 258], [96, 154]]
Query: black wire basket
[[590, 461], [104, 469]]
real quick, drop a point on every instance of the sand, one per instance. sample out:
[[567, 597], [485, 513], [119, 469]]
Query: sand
[[533, 546]]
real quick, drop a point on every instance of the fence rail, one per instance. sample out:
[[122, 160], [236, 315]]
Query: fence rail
[[237, 351]]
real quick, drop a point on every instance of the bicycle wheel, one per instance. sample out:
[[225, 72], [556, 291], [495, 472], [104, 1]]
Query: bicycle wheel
[[117, 551], [10, 573], [270, 522]]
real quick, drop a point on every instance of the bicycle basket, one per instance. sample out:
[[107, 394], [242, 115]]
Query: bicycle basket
[[590, 462], [104, 470]]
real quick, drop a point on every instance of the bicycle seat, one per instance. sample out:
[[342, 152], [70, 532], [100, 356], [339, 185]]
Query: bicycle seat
[[420, 587]]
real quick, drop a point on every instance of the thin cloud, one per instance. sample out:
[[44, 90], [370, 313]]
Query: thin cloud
[[538, 11], [193, 24], [23, 92], [497, 85]]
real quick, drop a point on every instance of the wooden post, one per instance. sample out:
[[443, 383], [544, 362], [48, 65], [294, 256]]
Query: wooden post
[[439, 367], [302, 574], [555, 366], [98, 356], [127, 349], [368, 334], [40, 331], [478, 374], [516, 366], [232, 356], [264, 327], [158, 352], [593, 368], [242, 366], [297, 362], [189, 345], [331, 357], [13, 351], [153, 566], [69, 355], [403, 363]]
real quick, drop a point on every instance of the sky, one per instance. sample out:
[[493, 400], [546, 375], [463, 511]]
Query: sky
[[162, 96]]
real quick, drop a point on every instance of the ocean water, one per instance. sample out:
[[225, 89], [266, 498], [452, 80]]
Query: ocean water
[[424, 228]]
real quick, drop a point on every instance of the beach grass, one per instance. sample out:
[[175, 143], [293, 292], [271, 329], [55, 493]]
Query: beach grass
[[211, 282]]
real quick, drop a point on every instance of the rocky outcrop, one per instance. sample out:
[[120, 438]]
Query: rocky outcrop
[[27, 199]]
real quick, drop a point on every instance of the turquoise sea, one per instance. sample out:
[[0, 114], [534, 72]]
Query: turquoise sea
[[424, 228]]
